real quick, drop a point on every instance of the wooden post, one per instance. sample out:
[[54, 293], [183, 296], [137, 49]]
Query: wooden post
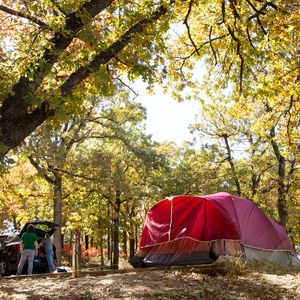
[[76, 255]]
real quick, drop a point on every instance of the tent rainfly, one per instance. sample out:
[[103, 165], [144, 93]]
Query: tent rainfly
[[186, 230]]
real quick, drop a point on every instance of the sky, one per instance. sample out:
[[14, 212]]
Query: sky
[[168, 119]]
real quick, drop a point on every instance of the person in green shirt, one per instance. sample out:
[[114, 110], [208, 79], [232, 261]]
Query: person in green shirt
[[29, 247]]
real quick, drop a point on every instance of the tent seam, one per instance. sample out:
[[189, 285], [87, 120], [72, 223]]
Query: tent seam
[[187, 237], [171, 220], [264, 249]]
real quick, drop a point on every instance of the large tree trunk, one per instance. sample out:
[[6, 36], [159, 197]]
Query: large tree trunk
[[18, 117], [57, 215]]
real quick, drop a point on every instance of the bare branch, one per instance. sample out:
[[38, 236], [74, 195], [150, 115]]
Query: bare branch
[[262, 10], [201, 46], [234, 10], [75, 175], [249, 37], [188, 27], [261, 25], [239, 53], [223, 13], [128, 86]]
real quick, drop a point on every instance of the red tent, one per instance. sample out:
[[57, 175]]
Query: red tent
[[198, 229]]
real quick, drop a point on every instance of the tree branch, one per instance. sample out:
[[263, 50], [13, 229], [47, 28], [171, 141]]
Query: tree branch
[[75, 175], [14, 109], [41, 170], [188, 27], [234, 10], [104, 57], [201, 46], [239, 53], [211, 46], [249, 38], [262, 10], [223, 13], [23, 15]]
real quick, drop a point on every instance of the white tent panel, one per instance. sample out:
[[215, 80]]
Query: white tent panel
[[284, 258]]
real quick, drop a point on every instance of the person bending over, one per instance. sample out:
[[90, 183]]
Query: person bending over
[[48, 247]]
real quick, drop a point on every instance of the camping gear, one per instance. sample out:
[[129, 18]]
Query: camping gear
[[185, 230]]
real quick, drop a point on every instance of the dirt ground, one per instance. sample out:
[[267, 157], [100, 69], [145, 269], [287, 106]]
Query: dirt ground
[[229, 281]]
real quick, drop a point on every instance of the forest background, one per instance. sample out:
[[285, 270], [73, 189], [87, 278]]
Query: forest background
[[72, 136]]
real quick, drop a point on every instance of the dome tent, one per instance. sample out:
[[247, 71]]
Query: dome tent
[[185, 230]]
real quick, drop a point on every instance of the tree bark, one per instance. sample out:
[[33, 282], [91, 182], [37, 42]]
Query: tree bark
[[57, 216], [86, 241], [109, 237], [131, 233], [282, 188], [116, 225], [131, 247], [101, 251], [125, 243]]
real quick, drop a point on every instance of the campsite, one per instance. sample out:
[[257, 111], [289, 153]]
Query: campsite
[[234, 281], [149, 149]]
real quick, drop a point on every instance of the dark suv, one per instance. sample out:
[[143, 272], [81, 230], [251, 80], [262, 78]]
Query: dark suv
[[10, 252]]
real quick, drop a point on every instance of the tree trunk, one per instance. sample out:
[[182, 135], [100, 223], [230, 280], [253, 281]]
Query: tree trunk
[[101, 251], [57, 213], [281, 189], [131, 233], [86, 241], [116, 224], [131, 247], [109, 242], [125, 243], [255, 180], [108, 237], [281, 202], [232, 167], [136, 234]]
